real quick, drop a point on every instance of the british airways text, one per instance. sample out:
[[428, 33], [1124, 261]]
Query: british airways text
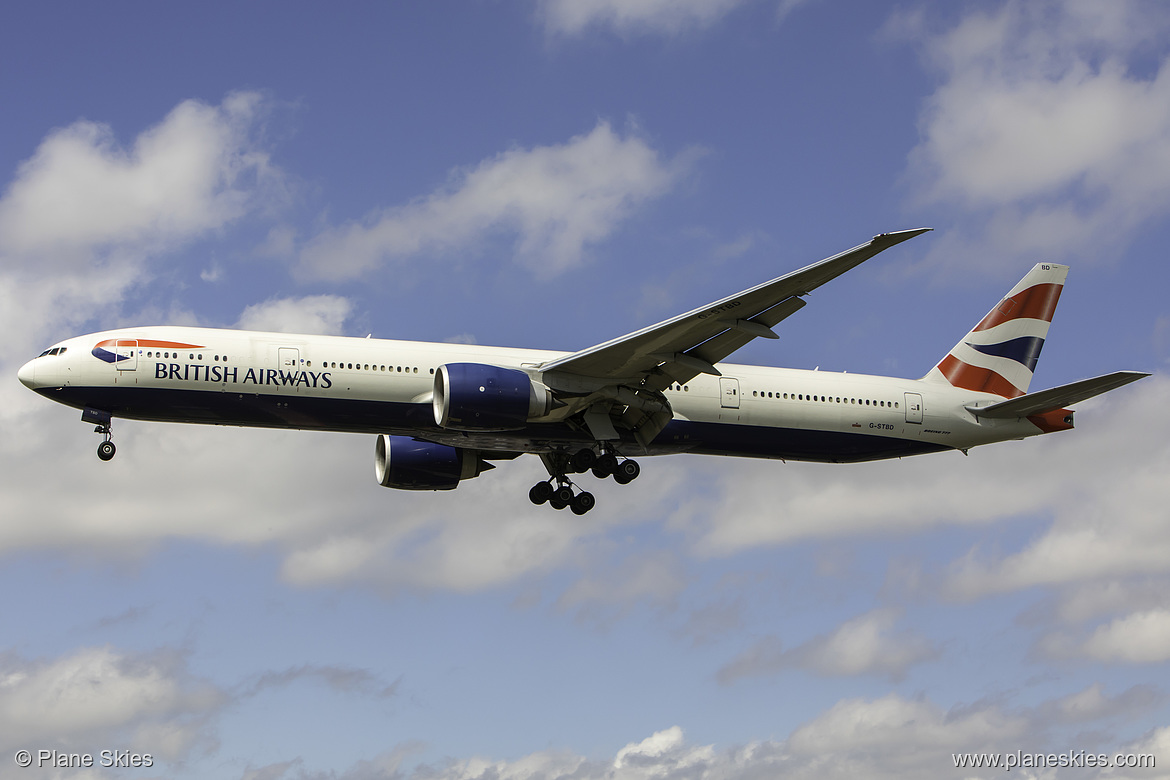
[[195, 372]]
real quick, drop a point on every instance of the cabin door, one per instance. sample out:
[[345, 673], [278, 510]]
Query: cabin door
[[914, 408], [126, 354], [728, 392]]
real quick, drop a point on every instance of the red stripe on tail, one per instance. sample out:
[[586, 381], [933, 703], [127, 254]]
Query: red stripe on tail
[[1035, 303], [982, 380]]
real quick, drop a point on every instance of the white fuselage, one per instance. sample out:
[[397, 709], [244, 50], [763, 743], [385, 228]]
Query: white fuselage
[[232, 377]]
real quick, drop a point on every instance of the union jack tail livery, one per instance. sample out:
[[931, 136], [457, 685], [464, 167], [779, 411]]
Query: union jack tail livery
[[1000, 353]]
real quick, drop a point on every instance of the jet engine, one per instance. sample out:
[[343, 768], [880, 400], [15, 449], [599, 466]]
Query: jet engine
[[409, 464], [477, 397]]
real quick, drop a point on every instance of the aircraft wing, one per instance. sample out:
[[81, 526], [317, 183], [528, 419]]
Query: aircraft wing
[[682, 347]]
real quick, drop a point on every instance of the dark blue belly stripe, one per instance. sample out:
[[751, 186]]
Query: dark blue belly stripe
[[306, 412]]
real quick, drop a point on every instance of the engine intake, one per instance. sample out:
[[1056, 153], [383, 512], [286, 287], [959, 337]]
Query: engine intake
[[477, 397], [409, 464]]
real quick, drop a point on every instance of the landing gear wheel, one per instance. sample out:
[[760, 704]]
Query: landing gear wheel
[[541, 492], [627, 471], [582, 503], [556, 503], [106, 450], [605, 465], [582, 460], [563, 496]]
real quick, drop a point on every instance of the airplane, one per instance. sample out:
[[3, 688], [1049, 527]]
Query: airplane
[[442, 412]]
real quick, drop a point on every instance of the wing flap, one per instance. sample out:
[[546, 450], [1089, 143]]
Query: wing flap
[[1057, 397]]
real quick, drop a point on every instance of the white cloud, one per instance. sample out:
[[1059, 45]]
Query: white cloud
[[866, 644], [662, 753], [557, 201], [319, 314], [195, 171], [1156, 744], [1109, 504], [1044, 130], [1085, 601], [669, 17], [886, 737], [1139, 638], [1092, 704], [893, 726], [644, 17], [97, 695]]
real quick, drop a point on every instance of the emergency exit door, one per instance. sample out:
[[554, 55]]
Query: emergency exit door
[[728, 392], [914, 408]]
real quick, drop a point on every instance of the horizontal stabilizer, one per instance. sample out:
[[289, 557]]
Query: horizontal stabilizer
[[1057, 397]]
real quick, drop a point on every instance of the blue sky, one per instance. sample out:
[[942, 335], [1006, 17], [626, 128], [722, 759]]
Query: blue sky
[[554, 173]]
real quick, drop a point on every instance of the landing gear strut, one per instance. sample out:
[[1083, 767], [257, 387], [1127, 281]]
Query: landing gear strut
[[103, 420], [561, 495]]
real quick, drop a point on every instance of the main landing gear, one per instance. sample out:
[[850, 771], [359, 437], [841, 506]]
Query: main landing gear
[[559, 464]]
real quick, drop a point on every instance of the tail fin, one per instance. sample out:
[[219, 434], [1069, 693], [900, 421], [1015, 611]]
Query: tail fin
[[1000, 353]]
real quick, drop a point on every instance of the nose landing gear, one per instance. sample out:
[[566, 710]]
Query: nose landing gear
[[104, 421]]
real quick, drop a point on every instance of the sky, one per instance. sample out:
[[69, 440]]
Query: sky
[[252, 605]]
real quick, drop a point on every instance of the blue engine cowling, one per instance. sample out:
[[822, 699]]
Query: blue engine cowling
[[409, 464], [477, 397]]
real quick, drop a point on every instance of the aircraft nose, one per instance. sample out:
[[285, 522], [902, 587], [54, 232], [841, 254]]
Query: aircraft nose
[[28, 375]]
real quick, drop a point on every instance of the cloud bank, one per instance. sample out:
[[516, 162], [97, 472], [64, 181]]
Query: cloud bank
[[553, 201]]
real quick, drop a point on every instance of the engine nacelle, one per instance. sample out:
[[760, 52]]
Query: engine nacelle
[[409, 464], [477, 397]]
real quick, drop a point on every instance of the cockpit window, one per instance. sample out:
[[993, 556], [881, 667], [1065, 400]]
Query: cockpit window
[[53, 351]]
